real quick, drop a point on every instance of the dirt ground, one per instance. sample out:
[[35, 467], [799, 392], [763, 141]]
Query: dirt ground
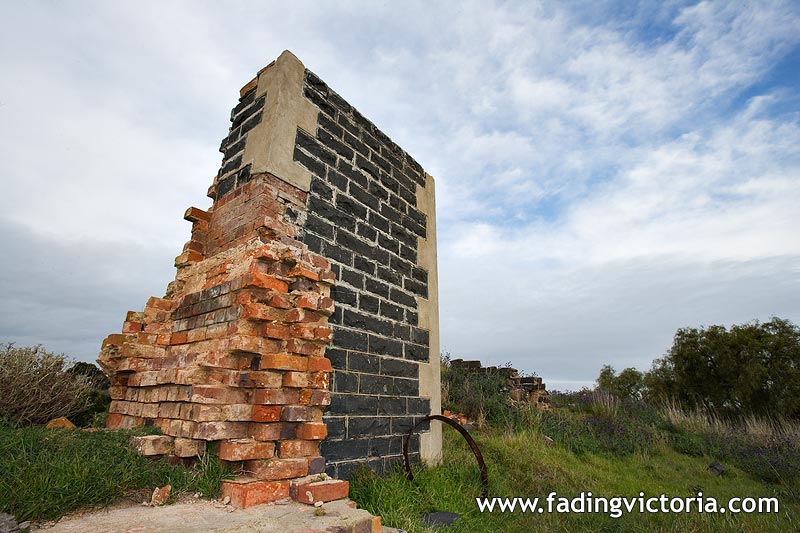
[[190, 515]]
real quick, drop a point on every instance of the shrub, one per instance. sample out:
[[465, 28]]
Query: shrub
[[481, 396], [36, 386]]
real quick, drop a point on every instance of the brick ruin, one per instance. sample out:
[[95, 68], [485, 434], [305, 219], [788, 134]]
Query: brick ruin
[[520, 389], [300, 335]]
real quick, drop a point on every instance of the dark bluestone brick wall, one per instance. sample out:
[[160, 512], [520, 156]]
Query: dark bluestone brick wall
[[363, 217]]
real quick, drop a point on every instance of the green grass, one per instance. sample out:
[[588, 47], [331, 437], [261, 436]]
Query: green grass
[[521, 464], [45, 474]]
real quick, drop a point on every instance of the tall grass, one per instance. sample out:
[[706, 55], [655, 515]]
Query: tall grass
[[45, 474]]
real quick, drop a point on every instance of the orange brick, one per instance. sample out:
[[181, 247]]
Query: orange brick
[[276, 396], [305, 348], [281, 361], [298, 448], [276, 331], [179, 338], [194, 214], [296, 380], [160, 303], [264, 281], [312, 431], [308, 301], [279, 301], [319, 380], [265, 432], [301, 272], [246, 493], [220, 430], [245, 449], [132, 327], [260, 378], [274, 469], [319, 364], [116, 339], [115, 421], [266, 413], [319, 491], [256, 311], [315, 397], [265, 253]]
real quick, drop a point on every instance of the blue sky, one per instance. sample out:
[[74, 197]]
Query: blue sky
[[607, 172]]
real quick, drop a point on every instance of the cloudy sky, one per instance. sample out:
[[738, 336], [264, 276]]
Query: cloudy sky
[[606, 172]]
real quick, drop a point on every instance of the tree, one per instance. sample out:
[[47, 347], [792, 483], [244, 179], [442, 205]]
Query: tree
[[628, 384], [752, 368]]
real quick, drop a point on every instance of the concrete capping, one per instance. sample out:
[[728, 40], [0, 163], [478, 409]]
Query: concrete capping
[[430, 372], [270, 145]]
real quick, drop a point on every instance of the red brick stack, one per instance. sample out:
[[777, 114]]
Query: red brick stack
[[235, 352]]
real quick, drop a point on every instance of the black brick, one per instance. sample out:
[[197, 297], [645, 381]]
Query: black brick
[[337, 179], [345, 381], [358, 426], [368, 303], [364, 197], [347, 169], [353, 243], [314, 148], [377, 287], [408, 196], [244, 101], [316, 83], [354, 404], [337, 253], [348, 205], [419, 274], [371, 141], [331, 142], [370, 384], [336, 216], [339, 102], [418, 406], [408, 253], [358, 362], [342, 450], [367, 232], [319, 101], [385, 446], [343, 295], [412, 317], [382, 163], [321, 227], [406, 387], [381, 256], [313, 242], [415, 352], [420, 336], [355, 144], [391, 184], [379, 222], [363, 322], [385, 346], [225, 186], [402, 331], [403, 298], [251, 123], [353, 278], [401, 265], [399, 368], [317, 168], [231, 165], [348, 125], [364, 265], [403, 235], [392, 405], [378, 191], [391, 213], [330, 125], [244, 114], [348, 338], [390, 276], [389, 310], [338, 358], [319, 188], [388, 243], [336, 427], [416, 287], [367, 166]]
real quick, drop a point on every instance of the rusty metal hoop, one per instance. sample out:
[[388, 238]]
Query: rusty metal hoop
[[475, 450]]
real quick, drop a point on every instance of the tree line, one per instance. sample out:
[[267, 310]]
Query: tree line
[[747, 368]]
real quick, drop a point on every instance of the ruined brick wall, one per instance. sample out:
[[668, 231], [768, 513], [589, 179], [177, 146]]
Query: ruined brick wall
[[309, 283]]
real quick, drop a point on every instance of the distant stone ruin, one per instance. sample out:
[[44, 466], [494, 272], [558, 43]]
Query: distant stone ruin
[[520, 389], [300, 334]]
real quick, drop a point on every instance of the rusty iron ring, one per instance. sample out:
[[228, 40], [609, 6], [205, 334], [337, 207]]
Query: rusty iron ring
[[475, 450]]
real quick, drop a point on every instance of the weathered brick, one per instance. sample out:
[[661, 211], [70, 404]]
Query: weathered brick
[[298, 448], [244, 493], [245, 449], [276, 468], [152, 444], [308, 491], [312, 431]]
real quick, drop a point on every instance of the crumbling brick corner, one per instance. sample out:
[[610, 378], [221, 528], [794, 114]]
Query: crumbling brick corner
[[235, 353]]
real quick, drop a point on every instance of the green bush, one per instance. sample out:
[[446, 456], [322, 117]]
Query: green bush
[[36, 386]]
